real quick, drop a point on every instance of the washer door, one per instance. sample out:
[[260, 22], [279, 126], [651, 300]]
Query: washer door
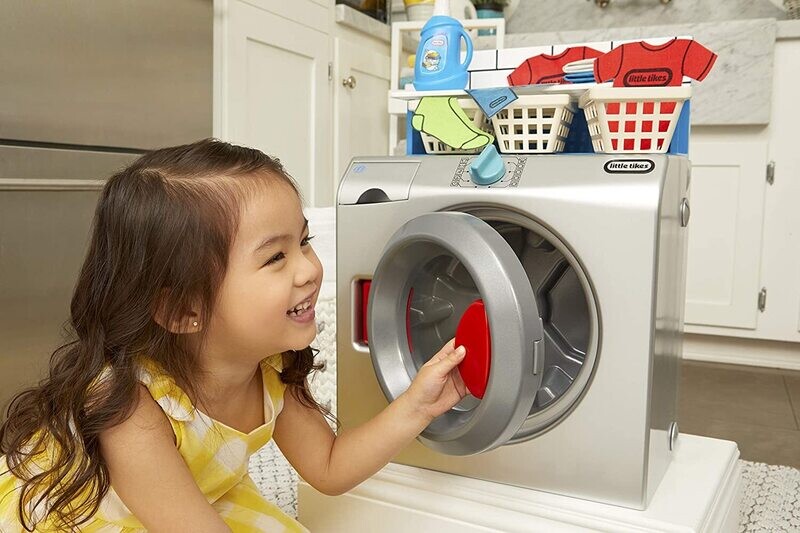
[[431, 270]]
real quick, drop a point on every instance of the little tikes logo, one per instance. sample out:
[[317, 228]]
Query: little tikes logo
[[629, 166], [648, 77]]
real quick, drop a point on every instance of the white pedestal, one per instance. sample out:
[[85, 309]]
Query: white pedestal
[[700, 492]]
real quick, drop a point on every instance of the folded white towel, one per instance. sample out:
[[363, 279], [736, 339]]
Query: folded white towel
[[582, 65]]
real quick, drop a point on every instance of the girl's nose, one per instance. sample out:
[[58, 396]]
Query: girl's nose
[[309, 269]]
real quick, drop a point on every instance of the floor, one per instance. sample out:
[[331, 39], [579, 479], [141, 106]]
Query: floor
[[758, 408]]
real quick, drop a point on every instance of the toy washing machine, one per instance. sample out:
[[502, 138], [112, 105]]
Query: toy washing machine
[[579, 263]]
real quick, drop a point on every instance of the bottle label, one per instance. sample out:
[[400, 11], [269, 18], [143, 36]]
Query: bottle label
[[434, 54]]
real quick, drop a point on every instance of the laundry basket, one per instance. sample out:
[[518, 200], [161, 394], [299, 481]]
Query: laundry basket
[[435, 146], [534, 123], [633, 120]]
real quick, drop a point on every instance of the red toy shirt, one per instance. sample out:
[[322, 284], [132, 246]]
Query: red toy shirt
[[639, 64], [548, 69]]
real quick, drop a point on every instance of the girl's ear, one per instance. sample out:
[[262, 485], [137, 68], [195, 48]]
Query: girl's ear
[[184, 322]]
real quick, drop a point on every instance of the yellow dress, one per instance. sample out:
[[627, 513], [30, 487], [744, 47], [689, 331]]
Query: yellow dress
[[217, 456]]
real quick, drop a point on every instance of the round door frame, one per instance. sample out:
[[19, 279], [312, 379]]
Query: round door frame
[[517, 348]]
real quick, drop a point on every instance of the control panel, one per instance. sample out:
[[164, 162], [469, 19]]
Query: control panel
[[467, 176]]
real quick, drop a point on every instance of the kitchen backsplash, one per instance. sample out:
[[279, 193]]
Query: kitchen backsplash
[[544, 15]]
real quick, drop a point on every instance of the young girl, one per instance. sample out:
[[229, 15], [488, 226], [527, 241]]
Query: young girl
[[192, 319]]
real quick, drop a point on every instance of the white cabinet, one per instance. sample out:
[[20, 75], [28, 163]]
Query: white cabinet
[[276, 93], [725, 233], [278, 72], [362, 118], [744, 233]]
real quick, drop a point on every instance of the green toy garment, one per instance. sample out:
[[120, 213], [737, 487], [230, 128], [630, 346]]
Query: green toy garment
[[442, 117]]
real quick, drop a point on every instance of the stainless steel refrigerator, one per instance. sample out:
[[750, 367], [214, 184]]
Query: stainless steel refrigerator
[[85, 87]]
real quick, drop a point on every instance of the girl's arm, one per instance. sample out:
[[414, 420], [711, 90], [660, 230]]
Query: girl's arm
[[335, 464], [150, 476]]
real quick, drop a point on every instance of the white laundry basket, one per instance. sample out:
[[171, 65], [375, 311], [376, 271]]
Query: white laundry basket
[[534, 123], [435, 146], [634, 120]]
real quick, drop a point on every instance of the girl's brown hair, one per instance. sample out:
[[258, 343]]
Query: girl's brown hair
[[160, 240]]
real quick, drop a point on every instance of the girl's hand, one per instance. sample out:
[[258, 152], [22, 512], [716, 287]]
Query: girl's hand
[[438, 385]]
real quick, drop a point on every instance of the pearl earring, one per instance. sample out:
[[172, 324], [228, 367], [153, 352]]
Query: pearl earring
[[194, 323]]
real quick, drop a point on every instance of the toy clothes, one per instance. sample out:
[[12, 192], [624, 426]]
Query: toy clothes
[[582, 65], [548, 69], [493, 99], [639, 64], [579, 78], [442, 117]]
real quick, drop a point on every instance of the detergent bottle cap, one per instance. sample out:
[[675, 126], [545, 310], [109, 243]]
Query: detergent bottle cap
[[441, 7]]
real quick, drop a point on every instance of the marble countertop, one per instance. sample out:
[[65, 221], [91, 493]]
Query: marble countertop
[[534, 16], [788, 29]]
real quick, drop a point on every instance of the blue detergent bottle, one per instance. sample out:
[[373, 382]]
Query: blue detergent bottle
[[438, 63]]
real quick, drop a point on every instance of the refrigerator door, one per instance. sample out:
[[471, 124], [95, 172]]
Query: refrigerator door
[[112, 73], [47, 200]]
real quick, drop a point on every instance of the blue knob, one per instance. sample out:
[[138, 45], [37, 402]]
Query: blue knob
[[488, 167]]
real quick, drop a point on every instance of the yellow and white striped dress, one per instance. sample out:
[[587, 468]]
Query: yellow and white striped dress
[[217, 456]]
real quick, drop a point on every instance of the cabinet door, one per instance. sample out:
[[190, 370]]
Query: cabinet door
[[275, 95], [362, 117], [725, 233]]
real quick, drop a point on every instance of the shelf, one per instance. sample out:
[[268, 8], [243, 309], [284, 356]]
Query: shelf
[[572, 90], [405, 95]]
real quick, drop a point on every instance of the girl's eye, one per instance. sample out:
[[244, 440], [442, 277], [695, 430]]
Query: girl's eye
[[280, 255], [275, 258]]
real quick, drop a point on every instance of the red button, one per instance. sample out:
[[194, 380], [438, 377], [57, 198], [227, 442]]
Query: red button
[[364, 286], [473, 333], [361, 319]]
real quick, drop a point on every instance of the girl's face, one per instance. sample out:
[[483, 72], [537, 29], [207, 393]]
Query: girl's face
[[271, 269]]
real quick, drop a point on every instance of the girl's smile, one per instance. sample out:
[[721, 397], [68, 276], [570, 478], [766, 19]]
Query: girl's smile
[[304, 311]]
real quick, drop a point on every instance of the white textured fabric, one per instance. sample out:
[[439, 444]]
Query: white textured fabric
[[771, 498], [323, 383], [275, 478], [322, 225]]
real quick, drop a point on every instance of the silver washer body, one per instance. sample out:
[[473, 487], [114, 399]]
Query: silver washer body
[[613, 313]]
